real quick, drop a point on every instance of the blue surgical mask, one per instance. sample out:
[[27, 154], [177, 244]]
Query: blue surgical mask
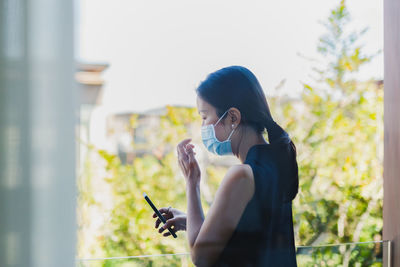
[[212, 143]]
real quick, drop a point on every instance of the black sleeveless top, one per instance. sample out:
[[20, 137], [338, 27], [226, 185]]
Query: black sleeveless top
[[264, 235]]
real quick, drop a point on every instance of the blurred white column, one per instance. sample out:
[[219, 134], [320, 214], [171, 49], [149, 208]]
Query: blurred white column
[[38, 116]]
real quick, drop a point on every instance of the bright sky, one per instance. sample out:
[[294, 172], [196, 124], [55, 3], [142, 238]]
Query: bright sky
[[160, 50]]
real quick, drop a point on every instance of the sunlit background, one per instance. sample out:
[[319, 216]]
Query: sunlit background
[[95, 95], [158, 51], [139, 64]]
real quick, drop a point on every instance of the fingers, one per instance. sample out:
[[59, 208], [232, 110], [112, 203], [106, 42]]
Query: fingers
[[166, 212], [169, 223], [189, 149], [185, 154], [193, 165], [158, 221], [181, 148], [183, 157], [184, 142], [162, 210], [190, 153]]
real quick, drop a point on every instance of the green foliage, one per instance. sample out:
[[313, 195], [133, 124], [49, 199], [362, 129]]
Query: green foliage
[[338, 129], [337, 126], [130, 228]]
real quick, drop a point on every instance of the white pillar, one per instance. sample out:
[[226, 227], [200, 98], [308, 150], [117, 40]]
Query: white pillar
[[38, 116]]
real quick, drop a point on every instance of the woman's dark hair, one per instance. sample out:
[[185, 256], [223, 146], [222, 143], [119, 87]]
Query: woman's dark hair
[[238, 87]]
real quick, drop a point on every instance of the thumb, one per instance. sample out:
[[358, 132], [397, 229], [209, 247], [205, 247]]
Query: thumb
[[169, 223]]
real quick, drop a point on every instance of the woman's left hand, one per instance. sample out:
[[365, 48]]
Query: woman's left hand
[[188, 163]]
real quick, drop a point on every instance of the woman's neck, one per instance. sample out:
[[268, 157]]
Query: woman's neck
[[247, 140]]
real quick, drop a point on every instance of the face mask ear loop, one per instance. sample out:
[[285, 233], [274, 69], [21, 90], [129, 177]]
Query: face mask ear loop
[[231, 133], [221, 117]]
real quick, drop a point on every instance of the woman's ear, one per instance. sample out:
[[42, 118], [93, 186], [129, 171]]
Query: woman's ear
[[234, 117]]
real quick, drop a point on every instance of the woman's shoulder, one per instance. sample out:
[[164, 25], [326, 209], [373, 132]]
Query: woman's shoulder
[[241, 171], [239, 176]]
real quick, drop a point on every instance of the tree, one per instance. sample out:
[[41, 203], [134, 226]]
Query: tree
[[339, 132]]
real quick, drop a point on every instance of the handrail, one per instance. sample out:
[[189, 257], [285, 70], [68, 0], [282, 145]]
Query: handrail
[[186, 253], [344, 244]]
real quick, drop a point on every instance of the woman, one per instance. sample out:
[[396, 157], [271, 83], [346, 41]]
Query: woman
[[250, 220]]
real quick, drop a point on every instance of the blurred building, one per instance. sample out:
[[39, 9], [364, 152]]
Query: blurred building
[[90, 89], [129, 142]]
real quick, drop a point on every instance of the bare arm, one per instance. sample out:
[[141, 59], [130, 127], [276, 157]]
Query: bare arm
[[235, 191], [192, 174], [208, 236], [195, 215]]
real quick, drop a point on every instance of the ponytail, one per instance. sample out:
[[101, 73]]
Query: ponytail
[[277, 135], [275, 132]]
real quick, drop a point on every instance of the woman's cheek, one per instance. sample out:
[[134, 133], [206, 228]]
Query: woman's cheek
[[218, 134]]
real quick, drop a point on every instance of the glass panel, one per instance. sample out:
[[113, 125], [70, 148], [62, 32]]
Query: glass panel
[[348, 254], [344, 255]]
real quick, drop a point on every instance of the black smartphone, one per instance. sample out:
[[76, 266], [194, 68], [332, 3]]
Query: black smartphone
[[158, 214]]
